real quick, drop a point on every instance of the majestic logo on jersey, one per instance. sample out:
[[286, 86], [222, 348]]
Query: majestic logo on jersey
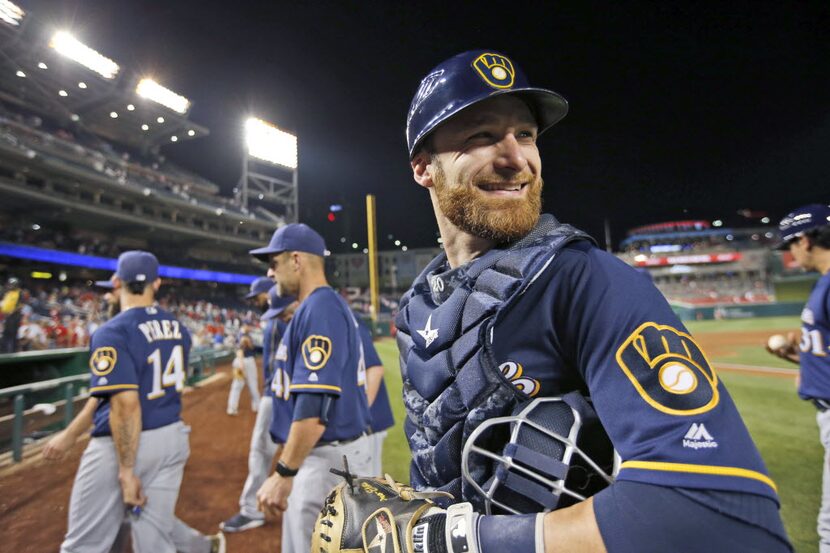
[[512, 371], [102, 360], [496, 70], [428, 333], [669, 370], [316, 352], [699, 438], [808, 317]]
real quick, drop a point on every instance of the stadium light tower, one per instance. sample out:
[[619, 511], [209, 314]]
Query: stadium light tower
[[11, 13], [265, 143], [150, 89], [67, 45]]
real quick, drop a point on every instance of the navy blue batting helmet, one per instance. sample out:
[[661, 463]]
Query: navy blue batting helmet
[[468, 78], [801, 220]]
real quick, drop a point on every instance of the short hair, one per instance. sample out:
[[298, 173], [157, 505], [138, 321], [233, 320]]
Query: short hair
[[819, 237], [137, 288]]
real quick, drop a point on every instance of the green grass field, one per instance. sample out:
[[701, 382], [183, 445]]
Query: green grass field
[[783, 426]]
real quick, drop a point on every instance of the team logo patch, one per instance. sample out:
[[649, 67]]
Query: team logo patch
[[496, 70], [512, 371], [316, 351], [102, 361], [379, 533], [669, 370]]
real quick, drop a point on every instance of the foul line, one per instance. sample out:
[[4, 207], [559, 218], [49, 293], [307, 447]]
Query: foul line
[[772, 371]]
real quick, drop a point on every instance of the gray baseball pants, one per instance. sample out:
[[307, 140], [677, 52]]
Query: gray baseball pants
[[260, 456], [313, 483], [96, 507], [823, 420]]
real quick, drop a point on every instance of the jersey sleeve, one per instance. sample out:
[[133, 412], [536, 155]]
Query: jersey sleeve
[[321, 360], [111, 366], [653, 387]]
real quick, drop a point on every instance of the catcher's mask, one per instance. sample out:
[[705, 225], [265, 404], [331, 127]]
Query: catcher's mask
[[557, 454]]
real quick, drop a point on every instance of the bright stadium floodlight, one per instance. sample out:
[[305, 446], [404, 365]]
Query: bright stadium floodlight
[[268, 143], [11, 13], [67, 45], [150, 89]]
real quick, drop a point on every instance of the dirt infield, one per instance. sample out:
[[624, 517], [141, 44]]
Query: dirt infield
[[34, 497]]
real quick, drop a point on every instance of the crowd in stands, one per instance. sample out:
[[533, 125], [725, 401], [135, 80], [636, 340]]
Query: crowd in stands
[[715, 288], [34, 136], [38, 317]]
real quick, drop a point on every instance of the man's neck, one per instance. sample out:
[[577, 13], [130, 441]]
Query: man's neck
[[128, 301], [822, 260], [461, 247], [310, 284]]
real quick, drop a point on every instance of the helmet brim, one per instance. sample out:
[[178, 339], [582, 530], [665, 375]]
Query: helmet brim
[[548, 108]]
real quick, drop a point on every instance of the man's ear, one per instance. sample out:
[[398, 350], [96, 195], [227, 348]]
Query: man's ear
[[422, 169], [156, 285]]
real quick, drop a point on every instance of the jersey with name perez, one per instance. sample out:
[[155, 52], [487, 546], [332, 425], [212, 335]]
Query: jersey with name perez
[[815, 343], [143, 349]]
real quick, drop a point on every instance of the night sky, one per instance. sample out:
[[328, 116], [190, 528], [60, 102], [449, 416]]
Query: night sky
[[676, 112]]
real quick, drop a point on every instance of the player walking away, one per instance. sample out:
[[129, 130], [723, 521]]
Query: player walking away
[[263, 449], [244, 364], [380, 412], [806, 234], [244, 372], [135, 459], [520, 316], [319, 379], [185, 538]]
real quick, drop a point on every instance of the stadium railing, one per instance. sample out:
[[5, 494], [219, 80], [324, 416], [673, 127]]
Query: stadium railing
[[47, 416]]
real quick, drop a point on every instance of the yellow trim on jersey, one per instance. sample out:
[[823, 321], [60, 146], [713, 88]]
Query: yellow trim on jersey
[[115, 387], [700, 469], [314, 387]]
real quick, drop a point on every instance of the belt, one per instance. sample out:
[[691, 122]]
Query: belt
[[821, 404], [341, 442]]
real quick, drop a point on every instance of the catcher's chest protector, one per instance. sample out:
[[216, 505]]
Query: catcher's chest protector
[[450, 377]]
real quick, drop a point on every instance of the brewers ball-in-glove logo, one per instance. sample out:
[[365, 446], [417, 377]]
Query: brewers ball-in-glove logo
[[512, 371], [669, 370], [496, 70], [102, 360], [316, 351]]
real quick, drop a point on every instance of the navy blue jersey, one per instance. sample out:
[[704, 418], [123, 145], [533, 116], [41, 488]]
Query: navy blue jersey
[[592, 323], [815, 343], [274, 329], [380, 411], [143, 349], [321, 353]]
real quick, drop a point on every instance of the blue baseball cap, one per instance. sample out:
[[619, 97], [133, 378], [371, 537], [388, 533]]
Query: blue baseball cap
[[259, 286], [137, 266], [801, 220], [467, 79], [296, 237], [276, 304]]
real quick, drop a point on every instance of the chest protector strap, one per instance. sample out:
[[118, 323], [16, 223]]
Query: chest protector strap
[[451, 379]]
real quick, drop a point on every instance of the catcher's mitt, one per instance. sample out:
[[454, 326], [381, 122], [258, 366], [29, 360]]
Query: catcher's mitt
[[376, 514]]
